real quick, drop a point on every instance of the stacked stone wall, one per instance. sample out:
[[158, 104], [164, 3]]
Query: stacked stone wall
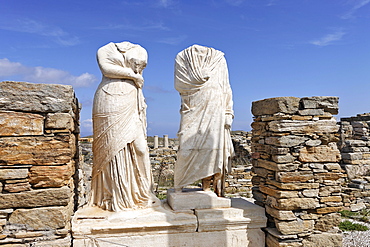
[[355, 149], [298, 176], [239, 180], [38, 157]]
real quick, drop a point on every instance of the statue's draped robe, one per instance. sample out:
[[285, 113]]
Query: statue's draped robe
[[121, 176], [205, 145]]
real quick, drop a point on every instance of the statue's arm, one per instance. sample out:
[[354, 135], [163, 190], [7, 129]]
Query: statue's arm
[[111, 69], [228, 100]]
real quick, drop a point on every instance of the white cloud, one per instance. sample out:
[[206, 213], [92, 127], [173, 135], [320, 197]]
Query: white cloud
[[329, 38], [34, 27], [235, 2], [165, 3], [352, 11], [155, 26], [44, 75], [173, 40], [87, 126]]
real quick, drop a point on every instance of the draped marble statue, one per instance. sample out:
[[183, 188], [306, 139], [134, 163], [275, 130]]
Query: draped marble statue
[[121, 176], [205, 147]]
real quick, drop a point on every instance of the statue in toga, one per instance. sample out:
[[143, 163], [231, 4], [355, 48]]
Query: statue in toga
[[205, 146]]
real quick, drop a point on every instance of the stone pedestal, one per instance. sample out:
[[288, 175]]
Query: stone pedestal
[[191, 199], [162, 226]]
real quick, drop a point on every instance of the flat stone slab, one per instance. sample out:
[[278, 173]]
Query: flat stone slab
[[162, 226], [97, 222], [190, 199]]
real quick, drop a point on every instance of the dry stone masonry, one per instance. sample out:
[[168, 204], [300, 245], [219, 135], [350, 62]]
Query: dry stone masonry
[[298, 176], [38, 155], [355, 148]]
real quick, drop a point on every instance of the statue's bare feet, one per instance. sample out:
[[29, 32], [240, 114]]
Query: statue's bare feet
[[178, 190], [217, 180], [206, 183]]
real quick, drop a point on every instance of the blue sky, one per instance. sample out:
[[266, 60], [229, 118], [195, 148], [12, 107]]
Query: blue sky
[[273, 48]]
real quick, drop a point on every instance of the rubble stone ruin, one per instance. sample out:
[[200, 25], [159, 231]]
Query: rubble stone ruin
[[305, 167]]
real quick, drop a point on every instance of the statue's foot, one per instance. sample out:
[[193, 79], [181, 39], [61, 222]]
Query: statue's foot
[[206, 183], [178, 190]]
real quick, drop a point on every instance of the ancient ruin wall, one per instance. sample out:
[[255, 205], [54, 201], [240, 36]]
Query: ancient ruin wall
[[355, 149], [298, 176], [38, 155]]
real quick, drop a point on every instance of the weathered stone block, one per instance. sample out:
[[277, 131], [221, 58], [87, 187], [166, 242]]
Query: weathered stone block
[[287, 158], [328, 222], [36, 198], [272, 241], [311, 112], [304, 127], [288, 177], [293, 186], [17, 187], [286, 141], [275, 105], [323, 240], [331, 199], [278, 193], [319, 154], [311, 193], [21, 96], [40, 150], [294, 203], [51, 176], [59, 121], [280, 214], [328, 103], [320, 177], [276, 167], [328, 210], [13, 173], [294, 227], [20, 123], [40, 218]]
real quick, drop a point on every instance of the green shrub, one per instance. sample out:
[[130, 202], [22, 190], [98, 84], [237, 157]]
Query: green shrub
[[349, 226]]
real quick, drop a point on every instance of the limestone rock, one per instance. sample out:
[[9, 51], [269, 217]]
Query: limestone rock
[[294, 227], [17, 187], [20, 123], [269, 165], [40, 218], [298, 176], [280, 214], [286, 141], [51, 176], [59, 121], [328, 103], [327, 222], [278, 193], [42, 150], [36, 198], [303, 127], [13, 173], [275, 105], [323, 240], [292, 203], [272, 241], [319, 154], [22, 96]]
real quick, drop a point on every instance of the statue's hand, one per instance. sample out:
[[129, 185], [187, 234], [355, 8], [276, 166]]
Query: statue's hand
[[139, 80], [228, 121]]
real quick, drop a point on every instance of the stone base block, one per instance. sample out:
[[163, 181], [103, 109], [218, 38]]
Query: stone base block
[[191, 199], [162, 226]]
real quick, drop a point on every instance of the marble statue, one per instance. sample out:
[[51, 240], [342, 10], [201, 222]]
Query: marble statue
[[205, 147], [121, 176]]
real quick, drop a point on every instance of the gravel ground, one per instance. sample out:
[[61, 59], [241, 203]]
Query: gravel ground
[[357, 238]]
